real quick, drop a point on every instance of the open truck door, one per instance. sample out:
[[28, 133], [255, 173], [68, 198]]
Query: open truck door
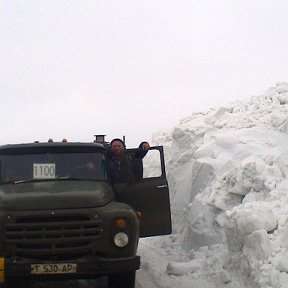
[[149, 196]]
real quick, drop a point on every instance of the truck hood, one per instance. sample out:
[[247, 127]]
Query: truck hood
[[55, 195]]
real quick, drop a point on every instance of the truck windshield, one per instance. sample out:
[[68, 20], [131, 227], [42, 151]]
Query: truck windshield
[[49, 166]]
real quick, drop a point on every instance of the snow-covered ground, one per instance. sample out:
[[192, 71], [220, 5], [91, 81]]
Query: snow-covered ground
[[228, 178]]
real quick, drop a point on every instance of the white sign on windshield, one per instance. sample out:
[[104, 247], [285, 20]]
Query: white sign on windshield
[[44, 171]]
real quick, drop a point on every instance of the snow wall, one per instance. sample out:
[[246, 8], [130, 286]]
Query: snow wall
[[228, 177]]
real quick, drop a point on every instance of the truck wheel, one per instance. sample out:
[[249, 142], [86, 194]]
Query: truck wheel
[[8, 284], [121, 280], [12, 283]]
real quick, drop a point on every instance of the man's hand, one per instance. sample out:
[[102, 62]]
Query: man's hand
[[145, 146]]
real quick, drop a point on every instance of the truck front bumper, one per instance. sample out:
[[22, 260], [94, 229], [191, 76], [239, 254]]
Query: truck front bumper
[[85, 268]]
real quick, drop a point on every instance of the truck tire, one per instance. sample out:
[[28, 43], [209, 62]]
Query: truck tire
[[9, 284], [12, 283], [122, 280]]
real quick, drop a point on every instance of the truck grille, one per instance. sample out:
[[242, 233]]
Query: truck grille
[[52, 236]]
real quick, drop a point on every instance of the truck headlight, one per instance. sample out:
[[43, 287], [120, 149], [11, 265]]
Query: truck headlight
[[121, 239]]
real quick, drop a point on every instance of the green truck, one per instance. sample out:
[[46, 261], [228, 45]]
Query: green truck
[[60, 217]]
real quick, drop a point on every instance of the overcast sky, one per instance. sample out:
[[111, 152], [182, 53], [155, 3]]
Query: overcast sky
[[75, 68]]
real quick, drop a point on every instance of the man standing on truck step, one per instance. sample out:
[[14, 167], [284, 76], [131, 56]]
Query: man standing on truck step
[[126, 167]]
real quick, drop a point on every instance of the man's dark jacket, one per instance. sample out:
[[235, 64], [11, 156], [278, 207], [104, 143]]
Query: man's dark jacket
[[129, 168]]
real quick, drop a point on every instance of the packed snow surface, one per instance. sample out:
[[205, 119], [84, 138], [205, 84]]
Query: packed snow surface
[[228, 178]]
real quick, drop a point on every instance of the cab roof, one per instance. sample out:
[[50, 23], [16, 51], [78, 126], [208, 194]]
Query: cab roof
[[51, 147]]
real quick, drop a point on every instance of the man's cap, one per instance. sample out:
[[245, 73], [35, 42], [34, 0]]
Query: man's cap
[[117, 139]]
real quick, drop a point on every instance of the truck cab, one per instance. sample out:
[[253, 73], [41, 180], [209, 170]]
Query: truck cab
[[61, 218]]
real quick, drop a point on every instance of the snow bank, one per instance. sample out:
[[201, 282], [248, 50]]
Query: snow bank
[[228, 178]]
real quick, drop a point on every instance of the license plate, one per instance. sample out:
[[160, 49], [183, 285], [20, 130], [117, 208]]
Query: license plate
[[60, 268]]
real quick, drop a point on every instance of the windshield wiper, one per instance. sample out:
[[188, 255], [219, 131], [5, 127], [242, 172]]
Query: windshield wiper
[[51, 179], [37, 180]]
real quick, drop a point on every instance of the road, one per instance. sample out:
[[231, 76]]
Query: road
[[142, 281]]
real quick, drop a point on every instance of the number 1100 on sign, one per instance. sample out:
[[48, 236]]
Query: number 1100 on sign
[[44, 171]]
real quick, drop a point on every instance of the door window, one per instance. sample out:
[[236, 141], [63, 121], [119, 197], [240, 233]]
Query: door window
[[152, 164]]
